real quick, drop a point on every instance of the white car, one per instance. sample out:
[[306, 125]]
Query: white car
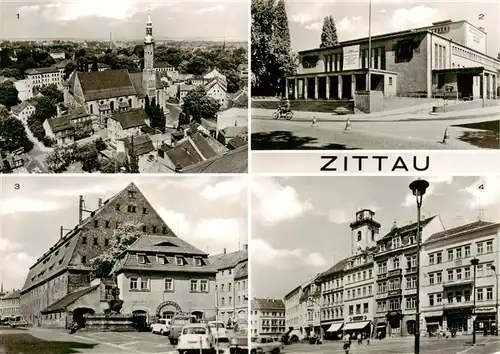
[[162, 327], [218, 329], [195, 337], [263, 345]]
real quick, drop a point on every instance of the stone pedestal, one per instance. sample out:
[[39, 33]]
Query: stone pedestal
[[102, 323]]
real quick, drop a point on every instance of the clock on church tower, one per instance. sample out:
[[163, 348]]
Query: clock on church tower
[[364, 231]]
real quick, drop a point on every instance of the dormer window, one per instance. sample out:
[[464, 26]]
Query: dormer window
[[179, 261], [141, 258], [197, 262], [161, 259], [382, 247], [396, 242]]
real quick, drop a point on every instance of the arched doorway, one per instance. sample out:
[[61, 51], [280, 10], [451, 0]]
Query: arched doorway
[[167, 309], [140, 319], [199, 315], [80, 315]]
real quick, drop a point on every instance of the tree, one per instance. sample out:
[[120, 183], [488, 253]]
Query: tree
[[123, 237], [198, 105], [68, 69], [12, 72], [58, 160], [13, 135], [8, 94], [45, 108], [51, 91], [329, 33], [88, 155], [94, 66], [271, 54]]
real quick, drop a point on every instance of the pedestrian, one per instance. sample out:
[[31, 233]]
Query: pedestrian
[[360, 338], [347, 342]]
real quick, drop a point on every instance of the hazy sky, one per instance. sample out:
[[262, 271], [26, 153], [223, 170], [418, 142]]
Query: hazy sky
[[351, 18], [94, 19], [300, 225], [208, 212]]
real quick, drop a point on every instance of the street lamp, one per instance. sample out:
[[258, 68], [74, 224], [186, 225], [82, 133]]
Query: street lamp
[[493, 268], [474, 262], [418, 187]]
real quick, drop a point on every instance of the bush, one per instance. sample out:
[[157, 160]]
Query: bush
[[48, 141]]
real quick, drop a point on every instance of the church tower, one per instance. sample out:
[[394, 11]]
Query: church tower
[[148, 73], [364, 231]]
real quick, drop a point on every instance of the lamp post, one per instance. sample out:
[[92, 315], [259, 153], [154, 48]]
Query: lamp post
[[418, 187], [496, 300], [474, 262]]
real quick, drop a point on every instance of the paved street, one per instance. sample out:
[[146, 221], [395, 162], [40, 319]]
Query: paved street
[[378, 133], [110, 342], [457, 345]]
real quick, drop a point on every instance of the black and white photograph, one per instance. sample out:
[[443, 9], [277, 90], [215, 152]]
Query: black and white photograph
[[114, 264], [131, 86], [375, 264], [374, 74]]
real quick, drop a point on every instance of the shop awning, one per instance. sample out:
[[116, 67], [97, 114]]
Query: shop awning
[[381, 325], [334, 327], [355, 325]]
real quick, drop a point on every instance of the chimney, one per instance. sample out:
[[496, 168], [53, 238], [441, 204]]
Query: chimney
[[80, 209], [245, 247], [224, 251], [99, 203], [62, 232]]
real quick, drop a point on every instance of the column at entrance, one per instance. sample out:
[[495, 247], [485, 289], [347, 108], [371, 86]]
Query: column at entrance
[[327, 85], [306, 87], [286, 88], [353, 86], [316, 87], [296, 91], [340, 86]]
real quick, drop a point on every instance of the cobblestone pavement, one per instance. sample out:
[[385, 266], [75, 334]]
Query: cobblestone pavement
[[459, 345], [115, 342]]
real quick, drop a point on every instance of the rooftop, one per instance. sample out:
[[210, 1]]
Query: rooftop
[[234, 161], [97, 85], [229, 260], [39, 71], [471, 227], [132, 118], [267, 304]]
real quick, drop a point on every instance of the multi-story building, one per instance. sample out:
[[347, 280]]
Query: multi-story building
[[293, 312], [160, 276], [9, 305], [232, 284], [447, 282], [311, 308], [64, 269], [446, 57], [41, 77], [267, 317], [23, 111], [396, 277]]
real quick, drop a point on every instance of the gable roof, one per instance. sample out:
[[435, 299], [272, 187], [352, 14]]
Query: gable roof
[[407, 228], [471, 227], [59, 124], [12, 295], [234, 131], [229, 260], [20, 107], [97, 85], [131, 118], [337, 267], [136, 79], [142, 144], [184, 154], [267, 304], [234, 161], [61, 304], [207, 145], [164, 244]]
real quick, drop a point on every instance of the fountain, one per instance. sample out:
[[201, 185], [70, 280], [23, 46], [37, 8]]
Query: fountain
[[112, 320]]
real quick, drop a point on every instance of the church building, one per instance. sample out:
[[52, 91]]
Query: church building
[[104, 92]]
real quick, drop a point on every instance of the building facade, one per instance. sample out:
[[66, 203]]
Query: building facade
[[161, 276], [10, 305], [447, 280], [232, 285], [267, 318], [64, 269], [446, 58], [41, 77], [23, 111], [396, 277]]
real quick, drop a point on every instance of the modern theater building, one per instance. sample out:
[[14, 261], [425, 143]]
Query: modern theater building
[[448, 57]]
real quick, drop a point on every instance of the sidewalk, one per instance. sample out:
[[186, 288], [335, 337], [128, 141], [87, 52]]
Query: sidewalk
[[403, 114]]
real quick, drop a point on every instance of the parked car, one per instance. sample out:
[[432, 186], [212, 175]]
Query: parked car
[[195, 337], [161, 327], [176, 325], [260, 345], [219, 330], [239, 341]]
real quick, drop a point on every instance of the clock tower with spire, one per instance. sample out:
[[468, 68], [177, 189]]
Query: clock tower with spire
[[148, 73]]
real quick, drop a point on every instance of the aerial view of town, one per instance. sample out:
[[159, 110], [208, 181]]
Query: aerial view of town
[[123, 265], [86, 90], [383, 75]]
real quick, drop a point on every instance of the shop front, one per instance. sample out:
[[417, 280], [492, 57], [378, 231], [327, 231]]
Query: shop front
[[433, 322], [486, 320], [333, 331], [379, 327], [359, 325], [459, 319], [395, 321]]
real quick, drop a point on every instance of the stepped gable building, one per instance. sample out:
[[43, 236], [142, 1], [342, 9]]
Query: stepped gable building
[[160, 276], [108, 91], [232, 284], [64, 268], [445, 58]]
